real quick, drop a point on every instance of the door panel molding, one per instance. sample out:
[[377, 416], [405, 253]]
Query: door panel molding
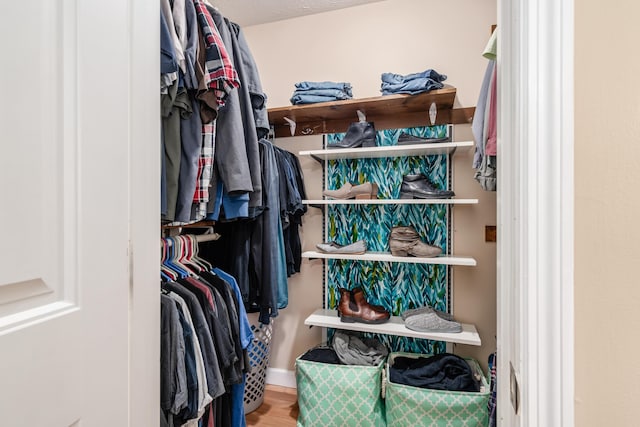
[[535, 212], [11, 292], [43, 313], [41, 171]]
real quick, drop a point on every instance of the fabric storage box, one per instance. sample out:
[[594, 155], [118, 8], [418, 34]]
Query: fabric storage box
[[339, 395], [414, 406]]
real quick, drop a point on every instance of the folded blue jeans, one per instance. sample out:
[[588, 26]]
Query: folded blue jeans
[[428, 74], [336, 93], [345, 87], [311, 99], [412, 86]]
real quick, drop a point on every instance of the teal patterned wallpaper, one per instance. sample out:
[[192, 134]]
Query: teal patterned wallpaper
[[396, 286]]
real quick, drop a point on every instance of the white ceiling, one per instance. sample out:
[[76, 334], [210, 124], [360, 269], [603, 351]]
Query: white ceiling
[[253, 12]]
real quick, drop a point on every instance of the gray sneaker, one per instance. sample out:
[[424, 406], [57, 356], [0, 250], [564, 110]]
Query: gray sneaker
[[356, 248]]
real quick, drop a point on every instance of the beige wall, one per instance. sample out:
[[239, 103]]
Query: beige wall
[[607, 213], [357, 45]]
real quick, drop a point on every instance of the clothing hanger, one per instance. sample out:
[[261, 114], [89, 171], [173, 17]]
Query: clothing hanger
[[206, 265], [165, 271], [186, 258], [179, 255], [208, 3], [196, 248], [191, 244], [171, 260]]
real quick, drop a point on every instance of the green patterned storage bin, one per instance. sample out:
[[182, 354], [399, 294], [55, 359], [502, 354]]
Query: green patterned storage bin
[[339, 395], [419, 407]]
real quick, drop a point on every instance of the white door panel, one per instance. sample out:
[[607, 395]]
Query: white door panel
[[66, 190], [38, 212]]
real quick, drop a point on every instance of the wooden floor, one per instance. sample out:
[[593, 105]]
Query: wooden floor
[[280, 408]]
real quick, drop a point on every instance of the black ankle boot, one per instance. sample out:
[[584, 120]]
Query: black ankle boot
[[359, 134]]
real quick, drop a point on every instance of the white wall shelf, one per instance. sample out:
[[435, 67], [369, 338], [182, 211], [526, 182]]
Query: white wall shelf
[[395, 326], [392, 202], [388, 151], [387, 257]]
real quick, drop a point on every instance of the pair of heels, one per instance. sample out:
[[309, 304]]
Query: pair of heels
[[368, 190]]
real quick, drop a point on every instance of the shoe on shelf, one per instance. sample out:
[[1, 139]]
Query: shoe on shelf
[[429, 321], [405, 241], [418, 186], [407, 139], [359, 134], [357, 295], [426, 309], [351, 310], [355, 248], [367, 190]]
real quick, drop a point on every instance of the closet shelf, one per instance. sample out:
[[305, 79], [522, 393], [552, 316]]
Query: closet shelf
[[393, 202], [395, 326], [387, 112], [388, 151], [387, 257]]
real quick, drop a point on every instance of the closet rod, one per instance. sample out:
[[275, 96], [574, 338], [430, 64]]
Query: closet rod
[[199, 238]]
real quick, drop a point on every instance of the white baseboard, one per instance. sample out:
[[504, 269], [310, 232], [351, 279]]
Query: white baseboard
[[281, 377]]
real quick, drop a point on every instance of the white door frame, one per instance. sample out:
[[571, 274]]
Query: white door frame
[[144, 215], [535, 212]]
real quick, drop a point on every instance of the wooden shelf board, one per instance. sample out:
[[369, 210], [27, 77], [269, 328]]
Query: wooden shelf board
[[395, 326], [388, 151], [392, 202], [387, 112], [387, 257]]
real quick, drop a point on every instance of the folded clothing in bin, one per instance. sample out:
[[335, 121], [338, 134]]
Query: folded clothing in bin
[[332, 394], [411, 405], [440, 372]]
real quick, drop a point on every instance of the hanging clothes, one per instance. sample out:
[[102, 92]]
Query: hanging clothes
[[204, 342], [484, 126], [292, 192], [236, 139], [262, 252]]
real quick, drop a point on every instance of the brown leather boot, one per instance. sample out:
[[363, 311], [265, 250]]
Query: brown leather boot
[[350, 311], [358, 298]]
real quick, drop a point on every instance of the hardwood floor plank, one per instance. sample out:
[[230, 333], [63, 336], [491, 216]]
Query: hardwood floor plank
[[280, 408]]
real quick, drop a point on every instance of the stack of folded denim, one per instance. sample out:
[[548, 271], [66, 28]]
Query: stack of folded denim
[[411, 83], [312, 92]]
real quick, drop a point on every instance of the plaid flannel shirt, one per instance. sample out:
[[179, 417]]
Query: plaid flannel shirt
[[220, 74], [205, 168]]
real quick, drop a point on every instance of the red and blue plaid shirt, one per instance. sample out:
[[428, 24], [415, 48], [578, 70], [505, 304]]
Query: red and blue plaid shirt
[[220, 74]]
